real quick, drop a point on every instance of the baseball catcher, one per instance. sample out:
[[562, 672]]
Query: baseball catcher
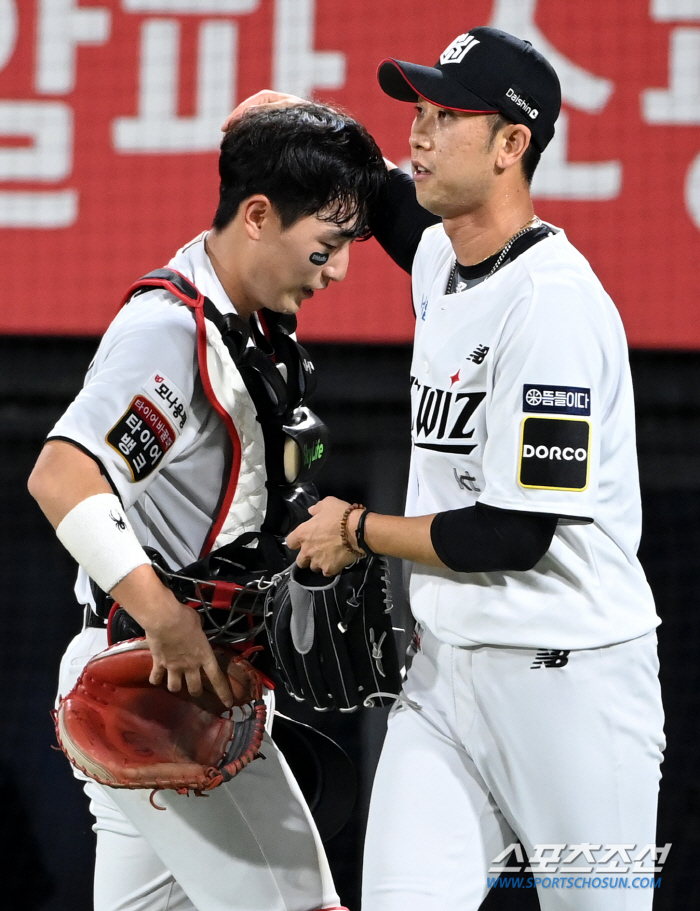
[[184, 460]]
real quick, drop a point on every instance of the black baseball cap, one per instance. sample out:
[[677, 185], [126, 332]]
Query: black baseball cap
[[484, 71]]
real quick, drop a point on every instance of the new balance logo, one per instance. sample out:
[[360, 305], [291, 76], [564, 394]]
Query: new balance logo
[[459, 49], [554, 658], [478, 354]]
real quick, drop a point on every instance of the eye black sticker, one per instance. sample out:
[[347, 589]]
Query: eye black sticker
[[319, 259], [554, 454]]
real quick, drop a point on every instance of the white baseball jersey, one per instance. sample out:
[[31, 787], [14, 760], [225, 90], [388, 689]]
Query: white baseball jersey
[[522, 399], [144, 415]]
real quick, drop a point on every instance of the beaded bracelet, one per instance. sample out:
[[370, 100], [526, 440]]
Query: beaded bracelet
[[344, 529], [360, 535]]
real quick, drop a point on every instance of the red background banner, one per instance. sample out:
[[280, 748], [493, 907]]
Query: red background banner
[[108, 137]]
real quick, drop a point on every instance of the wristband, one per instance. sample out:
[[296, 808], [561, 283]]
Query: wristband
[[99, 536], [360, 535]]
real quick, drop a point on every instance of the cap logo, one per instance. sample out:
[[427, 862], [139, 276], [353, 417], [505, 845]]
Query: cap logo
[[526, 107], [459, 48]]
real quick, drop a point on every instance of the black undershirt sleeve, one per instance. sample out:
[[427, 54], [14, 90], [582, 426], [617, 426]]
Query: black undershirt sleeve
[[482, 539], [397, 220]]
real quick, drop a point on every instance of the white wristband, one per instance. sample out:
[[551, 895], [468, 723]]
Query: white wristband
[[98, 535]]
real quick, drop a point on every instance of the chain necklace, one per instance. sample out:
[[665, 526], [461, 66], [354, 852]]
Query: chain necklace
[[533, 223]]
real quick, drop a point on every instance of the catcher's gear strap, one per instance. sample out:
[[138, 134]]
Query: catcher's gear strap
[[122, 731], [332, 640], [99, 536], [277, 400]]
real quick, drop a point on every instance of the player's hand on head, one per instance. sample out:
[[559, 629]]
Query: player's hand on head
[[319, 540], [182, 654], [266, 98]]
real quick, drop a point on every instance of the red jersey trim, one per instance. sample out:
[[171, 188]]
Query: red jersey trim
[[198, 306], [230, 427]]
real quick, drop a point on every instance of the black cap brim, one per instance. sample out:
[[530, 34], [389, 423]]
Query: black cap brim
[[409, 81]]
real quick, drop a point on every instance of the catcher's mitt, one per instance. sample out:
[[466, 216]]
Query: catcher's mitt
[[124, 732], [332, 639]]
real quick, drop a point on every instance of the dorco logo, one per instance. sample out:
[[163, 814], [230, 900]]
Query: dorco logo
[[567, 453], [531, 112]]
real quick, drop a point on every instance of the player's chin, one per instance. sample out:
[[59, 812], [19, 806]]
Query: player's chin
[[295, 301], [288, 303], [430, 200]]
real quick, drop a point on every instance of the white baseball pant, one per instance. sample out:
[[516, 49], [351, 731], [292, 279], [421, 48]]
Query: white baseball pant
[[486, 749]]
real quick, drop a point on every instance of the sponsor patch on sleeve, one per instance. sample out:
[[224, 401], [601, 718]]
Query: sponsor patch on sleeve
[[168, 398], [557, 400], [142, 436], [554, 454]]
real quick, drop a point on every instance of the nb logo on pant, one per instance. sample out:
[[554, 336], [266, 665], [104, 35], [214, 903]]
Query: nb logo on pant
[[552, 658]]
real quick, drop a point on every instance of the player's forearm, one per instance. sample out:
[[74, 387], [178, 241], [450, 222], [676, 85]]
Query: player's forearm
[[143, 595], [397, 536], [89, 519], [63, 477]]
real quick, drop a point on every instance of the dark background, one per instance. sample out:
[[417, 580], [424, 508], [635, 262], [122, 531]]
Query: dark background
[[46, 844]]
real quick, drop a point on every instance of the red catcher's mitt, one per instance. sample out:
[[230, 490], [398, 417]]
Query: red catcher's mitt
[[124, 732]]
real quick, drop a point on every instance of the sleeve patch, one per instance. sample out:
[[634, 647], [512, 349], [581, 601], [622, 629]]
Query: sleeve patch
[[554, 454], [141, 436], [557, 400], [168, 397]]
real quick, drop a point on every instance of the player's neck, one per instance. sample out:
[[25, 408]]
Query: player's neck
[[477, 235], [221, 249]]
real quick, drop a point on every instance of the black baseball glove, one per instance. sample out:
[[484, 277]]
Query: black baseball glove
[[332, 638]]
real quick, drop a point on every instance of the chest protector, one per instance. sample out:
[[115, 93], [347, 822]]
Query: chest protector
[[259, 391]]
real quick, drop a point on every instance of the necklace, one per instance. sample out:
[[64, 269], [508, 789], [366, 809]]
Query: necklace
[[533, 223]]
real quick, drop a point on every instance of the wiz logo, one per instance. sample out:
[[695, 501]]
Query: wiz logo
[[441, 415], [459, 49]]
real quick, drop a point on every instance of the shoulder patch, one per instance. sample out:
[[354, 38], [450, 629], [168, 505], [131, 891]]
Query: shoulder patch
[[142, 436], [168, 397], [557, 399], [554, 454]]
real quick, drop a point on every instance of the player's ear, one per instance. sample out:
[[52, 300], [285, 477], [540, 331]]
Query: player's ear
[[512, 145], [257, 212]]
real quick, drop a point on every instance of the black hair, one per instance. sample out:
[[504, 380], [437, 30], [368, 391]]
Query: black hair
[[531, 156], [309, 159]]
